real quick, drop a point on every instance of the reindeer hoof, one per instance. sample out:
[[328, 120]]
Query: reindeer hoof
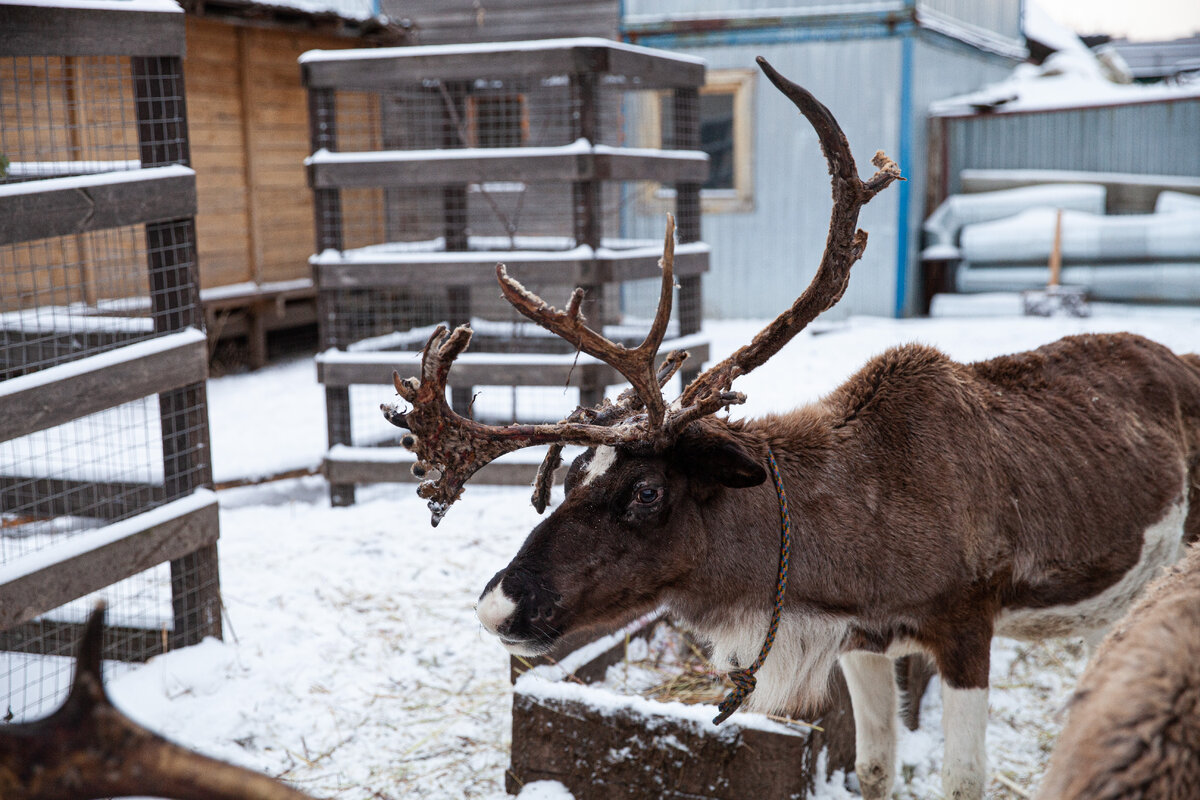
[[875, 780]]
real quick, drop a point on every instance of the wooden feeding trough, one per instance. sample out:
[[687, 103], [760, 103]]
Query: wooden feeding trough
[[572, 725]]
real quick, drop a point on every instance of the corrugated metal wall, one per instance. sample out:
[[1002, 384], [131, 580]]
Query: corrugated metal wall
[[1146, 138], [1000, 17], [939, 70], [763, 259]]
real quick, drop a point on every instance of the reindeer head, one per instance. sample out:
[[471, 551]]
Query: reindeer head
[[631, 525]]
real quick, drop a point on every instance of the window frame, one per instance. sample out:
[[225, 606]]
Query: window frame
[[740, 199], [473, 117]]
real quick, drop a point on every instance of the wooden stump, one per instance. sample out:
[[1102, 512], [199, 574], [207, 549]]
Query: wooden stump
[[603, 745]]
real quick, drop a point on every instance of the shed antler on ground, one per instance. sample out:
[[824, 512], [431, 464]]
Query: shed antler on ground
[[88, 749], [456, 447]]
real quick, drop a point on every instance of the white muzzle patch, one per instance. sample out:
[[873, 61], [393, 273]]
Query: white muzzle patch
[[495, 609]]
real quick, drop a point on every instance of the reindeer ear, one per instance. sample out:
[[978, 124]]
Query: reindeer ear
[[718, 456]]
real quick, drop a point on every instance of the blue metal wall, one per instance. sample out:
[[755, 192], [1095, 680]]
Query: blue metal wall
[[877, 71]]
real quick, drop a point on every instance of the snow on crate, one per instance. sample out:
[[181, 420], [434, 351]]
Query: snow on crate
[[613, 718]]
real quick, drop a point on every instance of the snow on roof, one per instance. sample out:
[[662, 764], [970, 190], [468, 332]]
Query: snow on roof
[[347, 9], [106, 5], [1040, 27], [1067, 79], [488, 47]]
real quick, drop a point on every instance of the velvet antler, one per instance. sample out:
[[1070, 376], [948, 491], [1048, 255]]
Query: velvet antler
[[456, 447]]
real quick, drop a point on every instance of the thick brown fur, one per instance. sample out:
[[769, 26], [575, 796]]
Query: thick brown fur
[[929, 495], [1133, 732]]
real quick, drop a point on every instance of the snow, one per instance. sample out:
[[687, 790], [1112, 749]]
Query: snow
[[397, 253], [267, 422], [101, 361], [548, 683], [109, 5], [1041, 27], [1067, 79], [347, 9], [489, 47], [250, 288], [577, 147], [102, 537], [396, 359], [93, 179], [545, 790], [75, 318], [48, 169], [354, 666]]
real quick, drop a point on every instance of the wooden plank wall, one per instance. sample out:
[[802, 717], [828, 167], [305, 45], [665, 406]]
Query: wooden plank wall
[[448, 21], [61, 109], [248, 116]]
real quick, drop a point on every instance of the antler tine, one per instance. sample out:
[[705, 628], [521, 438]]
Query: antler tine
[[89, 749], [456, 447], [843, 246], [608, 414], [637, 365]]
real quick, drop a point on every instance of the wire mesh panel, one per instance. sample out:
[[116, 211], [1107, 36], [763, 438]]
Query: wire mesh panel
[[104, 458], [66, 115], [430, 166]]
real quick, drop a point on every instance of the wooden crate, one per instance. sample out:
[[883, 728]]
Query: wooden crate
[[603, 745]]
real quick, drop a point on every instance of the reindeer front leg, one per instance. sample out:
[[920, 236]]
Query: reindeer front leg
[[964, 671], [870, 678]]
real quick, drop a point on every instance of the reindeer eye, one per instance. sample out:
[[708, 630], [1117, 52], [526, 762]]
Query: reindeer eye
[[648, 495]]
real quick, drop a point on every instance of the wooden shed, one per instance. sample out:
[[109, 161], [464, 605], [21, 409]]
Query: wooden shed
[[249, 130]]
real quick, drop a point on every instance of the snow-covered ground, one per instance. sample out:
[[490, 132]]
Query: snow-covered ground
[[353, 665]]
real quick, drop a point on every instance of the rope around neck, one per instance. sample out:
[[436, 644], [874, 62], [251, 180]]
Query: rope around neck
[[743, 679]]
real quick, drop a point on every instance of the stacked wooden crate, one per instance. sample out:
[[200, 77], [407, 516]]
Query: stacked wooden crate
[[431, 164]]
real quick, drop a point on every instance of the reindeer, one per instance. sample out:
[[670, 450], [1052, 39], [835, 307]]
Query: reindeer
[[932, 504], [88, 749], [1133, 732]]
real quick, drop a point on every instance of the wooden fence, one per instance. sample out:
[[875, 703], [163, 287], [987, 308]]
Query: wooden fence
[[105, 476]]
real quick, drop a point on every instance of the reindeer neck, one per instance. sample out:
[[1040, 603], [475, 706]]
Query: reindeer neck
[[742, 526]]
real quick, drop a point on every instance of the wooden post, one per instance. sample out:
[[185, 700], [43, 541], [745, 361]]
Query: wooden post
[[587, 208], [454, 219], [327, 211], [175, 305], [685, 135]]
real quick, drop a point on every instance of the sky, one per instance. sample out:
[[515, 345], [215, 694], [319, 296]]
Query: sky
[[1144, 19]]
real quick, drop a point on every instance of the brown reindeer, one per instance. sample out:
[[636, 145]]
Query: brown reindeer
[[1133, 732], [88, 749], [933, 504]]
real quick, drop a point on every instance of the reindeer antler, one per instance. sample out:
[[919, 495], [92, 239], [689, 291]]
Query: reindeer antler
[[843, 247], [89, 749], [457, 447]]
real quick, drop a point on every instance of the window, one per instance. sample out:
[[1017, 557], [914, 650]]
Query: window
[[726, 134], [497, 120], [717, 138]]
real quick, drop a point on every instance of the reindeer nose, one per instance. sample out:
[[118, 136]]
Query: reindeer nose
[[520, 608], [495, 609]]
